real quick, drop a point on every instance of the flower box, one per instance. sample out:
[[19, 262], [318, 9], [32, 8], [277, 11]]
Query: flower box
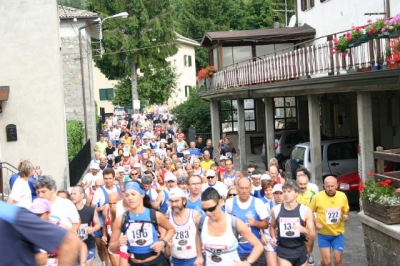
[[394, 34], [384, 213]]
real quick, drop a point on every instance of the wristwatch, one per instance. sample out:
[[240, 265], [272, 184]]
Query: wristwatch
[[165, 243], [250, 261]]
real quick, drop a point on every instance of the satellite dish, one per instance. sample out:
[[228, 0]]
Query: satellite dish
[[292, 21]]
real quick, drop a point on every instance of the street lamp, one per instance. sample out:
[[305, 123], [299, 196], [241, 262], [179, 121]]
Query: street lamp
[[97, 21]]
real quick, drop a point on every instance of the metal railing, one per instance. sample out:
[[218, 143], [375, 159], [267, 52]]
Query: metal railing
[[6, 171], [79, 164], [305, 60]]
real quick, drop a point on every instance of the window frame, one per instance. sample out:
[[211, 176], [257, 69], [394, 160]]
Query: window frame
[[232, 110], [285, 118], [109, 92]]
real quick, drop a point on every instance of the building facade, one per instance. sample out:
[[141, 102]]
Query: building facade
[[32, 69]]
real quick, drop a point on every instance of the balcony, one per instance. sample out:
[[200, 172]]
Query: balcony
[[309, 60]]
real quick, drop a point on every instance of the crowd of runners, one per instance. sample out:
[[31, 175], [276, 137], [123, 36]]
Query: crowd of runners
[[151, 198]]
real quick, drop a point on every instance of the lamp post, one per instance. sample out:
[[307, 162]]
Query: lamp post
[[98, 21]]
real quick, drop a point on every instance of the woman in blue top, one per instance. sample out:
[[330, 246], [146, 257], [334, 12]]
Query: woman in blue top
[[140, 230]]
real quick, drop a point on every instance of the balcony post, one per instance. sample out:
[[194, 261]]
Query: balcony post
[[242, 137], [365, 133], [315, 139], [269, 130], [215, 124]]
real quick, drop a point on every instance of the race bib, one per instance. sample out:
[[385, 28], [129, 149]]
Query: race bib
[[126, 148], [140, 234], [228, 155], [127, 168], [82, 231], [332, 215], [182, 238], [51, 262], [286, 227]]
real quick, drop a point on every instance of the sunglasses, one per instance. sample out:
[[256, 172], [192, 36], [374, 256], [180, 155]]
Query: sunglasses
[[210, 209], [210, 177], [134, 173], [232, 195], [149, 165]]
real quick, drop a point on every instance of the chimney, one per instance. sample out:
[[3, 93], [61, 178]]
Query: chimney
[[276, 22]]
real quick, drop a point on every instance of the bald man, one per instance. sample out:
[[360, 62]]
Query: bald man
[[332, 208], [206, 162], [275, 175], [252, 212]]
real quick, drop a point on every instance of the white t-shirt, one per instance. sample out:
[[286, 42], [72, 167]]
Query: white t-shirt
[[259, 206], [63, 211], [98, 196], [313, 187], [21, 193], [119, 208], [89, 178], [219, 186], [152, 193]]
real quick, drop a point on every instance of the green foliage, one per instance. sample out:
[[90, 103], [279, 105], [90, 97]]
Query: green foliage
[[73, 3], [195, 112], [199, 16], [156, 87], [74, 138], [143, 40]]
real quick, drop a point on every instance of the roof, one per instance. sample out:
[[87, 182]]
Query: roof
[[186, 40], [259, 35], [66, 12]]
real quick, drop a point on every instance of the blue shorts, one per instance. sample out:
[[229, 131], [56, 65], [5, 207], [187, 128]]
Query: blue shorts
[[91, 253], [336, 242], [98, 233], [182, 262]]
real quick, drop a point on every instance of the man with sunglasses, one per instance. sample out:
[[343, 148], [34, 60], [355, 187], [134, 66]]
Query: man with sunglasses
[[214, 183], [186, 246], [252, 212]]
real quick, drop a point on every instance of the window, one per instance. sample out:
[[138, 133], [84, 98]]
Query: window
[[231, 55], [285, 113], [229, 116], [306, 4], [187, 60], [106, 94], [187, 90]]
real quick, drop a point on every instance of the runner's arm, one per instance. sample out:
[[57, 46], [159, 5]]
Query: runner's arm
[[96, 222]]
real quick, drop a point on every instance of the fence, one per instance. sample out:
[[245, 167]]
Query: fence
[[6, 170], [79, 164]]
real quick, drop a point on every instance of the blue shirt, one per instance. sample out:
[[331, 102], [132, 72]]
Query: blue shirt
[[195, 152]]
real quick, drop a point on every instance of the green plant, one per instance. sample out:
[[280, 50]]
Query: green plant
[[380, 192], [341, 45], [74, 138]]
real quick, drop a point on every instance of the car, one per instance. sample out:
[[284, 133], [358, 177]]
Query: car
[[284, 143], [350, 182], [339, 156]]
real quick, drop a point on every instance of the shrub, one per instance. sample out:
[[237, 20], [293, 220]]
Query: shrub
[[74, 138]]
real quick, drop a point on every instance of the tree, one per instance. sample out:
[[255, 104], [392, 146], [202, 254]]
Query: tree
[[195, 112], [142, 41], [154, 88]]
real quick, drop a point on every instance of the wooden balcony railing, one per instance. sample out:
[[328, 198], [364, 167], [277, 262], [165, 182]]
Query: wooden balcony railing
[[305, 60]]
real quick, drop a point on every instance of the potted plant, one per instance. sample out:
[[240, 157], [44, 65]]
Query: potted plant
[[206, 73], [392, 27], [379, 201], [341, 44]]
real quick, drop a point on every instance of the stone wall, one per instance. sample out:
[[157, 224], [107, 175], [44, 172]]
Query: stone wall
[[382, 242], [72, 82]]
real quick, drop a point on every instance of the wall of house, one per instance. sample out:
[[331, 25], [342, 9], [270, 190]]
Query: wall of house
[[334, 16], [186, 74], [101, 82], [31, 66], [72, 81]]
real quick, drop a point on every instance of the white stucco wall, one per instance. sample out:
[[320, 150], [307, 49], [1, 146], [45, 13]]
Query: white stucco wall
[[101, 82], [186, 75], [31, 66], [339, 15]]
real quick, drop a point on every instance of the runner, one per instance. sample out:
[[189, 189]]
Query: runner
[[332, 210], [304, 197], [252, 212], [186, 246], [194, 198], [88, 217], [219, 234], [162, 201], [231, 174], [140, 230], [291, 224], [109, 215]]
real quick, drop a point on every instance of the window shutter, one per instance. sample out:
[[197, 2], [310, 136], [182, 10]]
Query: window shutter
[[185, 60], [311, 3], [190, 60], [103, 94]]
